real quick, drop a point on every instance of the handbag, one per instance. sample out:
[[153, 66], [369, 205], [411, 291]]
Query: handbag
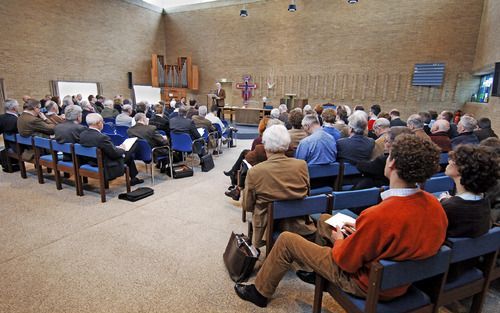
[[240, 257], [138, 194], [207, 163]]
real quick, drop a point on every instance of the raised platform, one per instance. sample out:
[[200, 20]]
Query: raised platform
[[247, 132]]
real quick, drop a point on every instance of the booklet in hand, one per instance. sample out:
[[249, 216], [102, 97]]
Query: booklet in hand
[[339, 220], [128, 143]]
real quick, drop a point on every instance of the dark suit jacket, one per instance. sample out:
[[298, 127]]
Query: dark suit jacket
[[8, 124], [442, 140], [355, 148], [68, 132], [484, 133], [463, 139], [201, 122], [113, 157], [180, 124], [148, 133], [29, 125], [161, 123], [397, 122], [453, 132]]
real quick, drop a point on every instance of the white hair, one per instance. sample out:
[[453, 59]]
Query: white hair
[[440, 126], [273, 122], [202, 111], [276, 139], [172, 103], [382, 123], [72, 112], [358, 121], [275, 113], [415, 121], [468, 123], [127, 108], [283, 108], [93, 119], [309, 120], [11, 104], [67, 101], [85, 104], [140, 117], [108, 104]]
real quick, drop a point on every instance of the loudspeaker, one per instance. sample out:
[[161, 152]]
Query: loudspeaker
[[129, 80], [495, 91]]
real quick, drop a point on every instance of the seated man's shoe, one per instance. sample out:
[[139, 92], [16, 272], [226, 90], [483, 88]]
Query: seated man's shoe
[[233, 193], [232, 145], [135, 181], [216, 152], [251, 294], [228, 173], [307, 277], [231, 187]]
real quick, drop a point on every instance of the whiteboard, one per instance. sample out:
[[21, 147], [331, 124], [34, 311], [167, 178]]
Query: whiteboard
[[74, 88], [147, 93]]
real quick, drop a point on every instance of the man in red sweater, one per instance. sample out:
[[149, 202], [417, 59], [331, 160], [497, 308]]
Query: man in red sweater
[[399, 228]]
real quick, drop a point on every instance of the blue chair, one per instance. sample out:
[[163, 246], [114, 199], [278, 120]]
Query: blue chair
[[145, 154], [162, 132], [110, 120], [474, 281], [43, 157], [121, 130], [292, 208], [21, 144], [96, 172], [64, 166], [117, 139], [443, 159], [438, 185], [346, 170], [328, 171], [386, 274], [10, 145], [181, 142], [108, 129]]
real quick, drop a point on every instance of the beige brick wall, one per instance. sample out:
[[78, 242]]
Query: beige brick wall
[[329, 50], [488, 43], [92, 40]]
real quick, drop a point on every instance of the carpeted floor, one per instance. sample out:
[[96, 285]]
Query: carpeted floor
[[63, 253]]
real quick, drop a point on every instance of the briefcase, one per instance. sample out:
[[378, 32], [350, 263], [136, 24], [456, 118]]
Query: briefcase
[[207, 163], [138, 194], [181, 171], [240, 257]]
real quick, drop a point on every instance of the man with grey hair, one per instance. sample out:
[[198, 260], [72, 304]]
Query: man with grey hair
[[284, 116], [439, 134], [275, 113], [70, 130], [416, 124], [181, 124], [113, 157], [200, 120], [87, 108], [380, 127], [33, 122], [357, 147], [124, 119], [8, 121], [53, 111], [277, 178], [318, 147], [465, 129], [109, 111]]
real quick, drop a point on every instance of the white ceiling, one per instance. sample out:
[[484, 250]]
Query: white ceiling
[[168, 4]]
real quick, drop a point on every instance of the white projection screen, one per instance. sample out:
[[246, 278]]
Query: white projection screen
[[147, 93], [74, 88]]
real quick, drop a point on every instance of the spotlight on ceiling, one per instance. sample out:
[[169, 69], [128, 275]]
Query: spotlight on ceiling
[[352, 1], [243, 13], [292, 7]]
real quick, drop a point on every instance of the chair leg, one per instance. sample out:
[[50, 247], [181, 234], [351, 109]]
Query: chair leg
[[152, 174], [79, 186], [85, 180], [39, 173], [106, 184], [57, 175], [77, 182], [22, 167], [102, 188], [318, 293], [127, 178]]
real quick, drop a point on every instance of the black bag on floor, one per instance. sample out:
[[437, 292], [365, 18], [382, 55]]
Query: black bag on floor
[[5, 160], [240, 257], [181, 171], [207, 163], [138, 194]]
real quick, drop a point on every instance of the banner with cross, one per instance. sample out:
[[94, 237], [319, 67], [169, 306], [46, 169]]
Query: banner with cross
[[246, 88]]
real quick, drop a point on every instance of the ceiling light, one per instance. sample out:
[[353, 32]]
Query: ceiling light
[[352, 1], [243, 13], [292, 7]]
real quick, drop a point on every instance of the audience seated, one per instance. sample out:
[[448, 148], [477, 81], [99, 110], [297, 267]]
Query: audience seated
[[200, 120], [69, 131], [124, 118], [493, 194], [117, 104], [484, 130], [274, 114], [32, 122], [109, 111], [181, 124], [426, 119], [53, 111], [448, 116], [317, 148], [284, 116], [396, 119], [383, 231], [440, 134], [357, 147], [373, 115], [416, 125], [277, 178], [159, 120], [380, 127], [8, 121], [296, 132], [341, 122], [329, 116], [87, 108], [465, 129], [113, 157], [176, 105]]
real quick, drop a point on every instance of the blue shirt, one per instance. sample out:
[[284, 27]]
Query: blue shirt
[[318, 148], [333, 132]]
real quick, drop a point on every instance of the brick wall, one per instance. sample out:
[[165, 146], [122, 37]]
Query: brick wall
[[92, 40], [329, 50]]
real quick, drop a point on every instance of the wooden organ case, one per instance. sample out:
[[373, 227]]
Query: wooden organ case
[[176, 79]]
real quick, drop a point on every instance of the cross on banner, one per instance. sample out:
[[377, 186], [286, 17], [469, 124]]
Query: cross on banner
[[246, 88]]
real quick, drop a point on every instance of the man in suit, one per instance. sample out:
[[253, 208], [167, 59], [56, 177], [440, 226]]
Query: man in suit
[[465, 129], [380, 127], [181, 124], [113, 157], [416, 125], [69, 131], [200, 120], [159, 120], [32, 122], [395, 118], [220, 96], [357, 147], [439, 135], [124, 119], [484, 130], [277, 178], [8, 121], [53, 112], [142, 130]]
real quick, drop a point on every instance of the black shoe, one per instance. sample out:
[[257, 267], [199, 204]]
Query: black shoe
[[250, 293], [216, 152], [228, 173], [232, 146], [135, 181], [307, 277], [231, 187], [233, 193]]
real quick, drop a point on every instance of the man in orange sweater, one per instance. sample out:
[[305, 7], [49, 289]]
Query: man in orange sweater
[[399, 228]]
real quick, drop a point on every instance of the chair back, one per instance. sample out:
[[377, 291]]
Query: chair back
[[121, 130], [350, 169], [268, 107], [396, 274], [439, 184], [43, 143], [162, 132], [61, 147], [9, 137], [28, 141], [291, 208], [355, 198], [225, 123], [90, 152], [116, 139], [218, 128], [143, 151], [110, 120], [108, 128], [468, 248], [319, 171], [181, 142], [443, 158]]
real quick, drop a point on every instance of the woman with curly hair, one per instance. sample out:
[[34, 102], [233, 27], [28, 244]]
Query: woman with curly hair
[[474, 170]]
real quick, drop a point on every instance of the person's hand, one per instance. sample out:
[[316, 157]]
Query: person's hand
[[337, 234], [42, 116], [444, 195]]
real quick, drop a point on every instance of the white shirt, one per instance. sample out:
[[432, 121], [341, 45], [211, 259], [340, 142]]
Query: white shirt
[[469, 196], [398, 192], [214, 120]]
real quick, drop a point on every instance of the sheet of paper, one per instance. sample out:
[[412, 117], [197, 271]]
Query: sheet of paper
[[201, 131], [128, 143], [339, 220]]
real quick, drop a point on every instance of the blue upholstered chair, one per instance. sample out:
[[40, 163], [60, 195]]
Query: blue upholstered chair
[[328, 171], [181, 142], [110, 120], [109, 129], [438, 184], [121, 130], [347, 170], [385, 275], [10, 144], [145, 153], [117, 139], [43, 157]]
